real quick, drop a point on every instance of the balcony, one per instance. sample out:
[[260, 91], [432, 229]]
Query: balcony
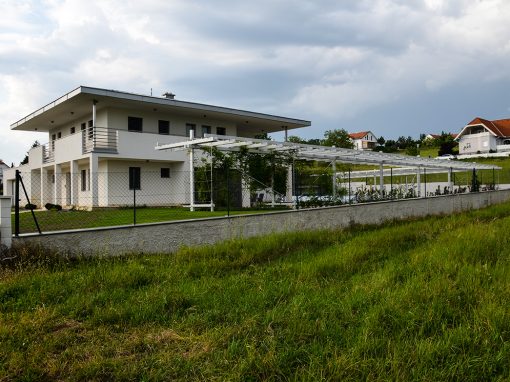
[[99, 140], [110, 142]]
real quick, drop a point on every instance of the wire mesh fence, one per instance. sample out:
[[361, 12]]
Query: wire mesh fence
[[53, 201]]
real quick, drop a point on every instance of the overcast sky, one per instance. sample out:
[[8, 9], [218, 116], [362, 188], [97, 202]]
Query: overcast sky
[[395, 67]]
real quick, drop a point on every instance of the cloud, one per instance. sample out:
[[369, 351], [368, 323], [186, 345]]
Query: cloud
[[337, 63]]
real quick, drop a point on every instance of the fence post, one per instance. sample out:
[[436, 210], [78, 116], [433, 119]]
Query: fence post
[[5, 221], [16, 204], [228, 190], [134, 205]]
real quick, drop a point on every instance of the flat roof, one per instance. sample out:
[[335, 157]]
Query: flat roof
[[321, 153], [78, 103]]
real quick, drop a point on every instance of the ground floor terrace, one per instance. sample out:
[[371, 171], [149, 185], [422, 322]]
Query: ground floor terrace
[[96, 181]]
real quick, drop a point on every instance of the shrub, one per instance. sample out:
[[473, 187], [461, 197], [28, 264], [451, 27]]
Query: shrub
[[30, 206], [53, 207]]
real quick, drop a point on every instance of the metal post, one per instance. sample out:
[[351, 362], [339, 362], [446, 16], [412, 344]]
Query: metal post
[[228, 189], [212, 185], [134, 200], [294, 184], [493, 180], [349, 185], [450, 185], [191, 174], [16, 205]]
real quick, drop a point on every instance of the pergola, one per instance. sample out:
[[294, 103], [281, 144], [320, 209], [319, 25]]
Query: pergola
[[332, 155]]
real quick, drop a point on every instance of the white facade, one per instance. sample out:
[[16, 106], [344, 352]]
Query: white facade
[[96, 135], [479, 139]]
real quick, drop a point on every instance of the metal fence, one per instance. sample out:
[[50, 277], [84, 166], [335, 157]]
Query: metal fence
[[48, 201]]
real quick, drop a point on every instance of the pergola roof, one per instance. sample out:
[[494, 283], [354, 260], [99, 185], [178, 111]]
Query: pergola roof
[[320, 153]]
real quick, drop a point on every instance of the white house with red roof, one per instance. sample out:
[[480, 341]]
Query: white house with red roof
[[363, 140], [483, 136]]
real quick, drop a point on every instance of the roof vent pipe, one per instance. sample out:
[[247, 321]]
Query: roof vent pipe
[[169, 95]]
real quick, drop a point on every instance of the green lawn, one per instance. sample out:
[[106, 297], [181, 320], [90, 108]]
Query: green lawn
[[105, 217], [424, 300]]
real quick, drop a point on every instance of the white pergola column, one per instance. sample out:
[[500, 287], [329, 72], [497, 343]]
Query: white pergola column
[[288, 194], [44, 180], [334, 177], [381, 179], [450, 183], [418, 181], [74, 182], [94, 180], [57, 185], [245, 194]]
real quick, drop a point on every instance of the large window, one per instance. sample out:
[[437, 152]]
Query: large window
[[135, 124], [206, 130], [221, 131], [134, 178], [85, 180], [164, 127]]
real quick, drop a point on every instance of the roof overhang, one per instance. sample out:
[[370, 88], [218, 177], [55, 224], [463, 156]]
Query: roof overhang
[[320, 153], [78, 104], [457, 138]]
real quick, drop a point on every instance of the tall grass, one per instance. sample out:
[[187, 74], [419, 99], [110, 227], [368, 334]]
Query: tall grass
[[418, 300]]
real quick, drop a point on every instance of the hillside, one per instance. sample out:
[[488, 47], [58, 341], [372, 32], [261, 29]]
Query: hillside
[[417, 300]]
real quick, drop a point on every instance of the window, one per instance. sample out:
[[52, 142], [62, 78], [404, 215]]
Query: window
[[165, 172], [135, 124], [206, 130], [164, 127], [73, 130], [53, 137], [190, 127], [90, 123], [134, 178], [83, 126], [221, 131], [59, 135], [85, 180]]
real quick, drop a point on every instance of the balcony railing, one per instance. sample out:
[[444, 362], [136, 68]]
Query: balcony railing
[[99, 139], [48, 151]]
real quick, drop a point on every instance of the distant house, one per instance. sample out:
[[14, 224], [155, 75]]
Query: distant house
[[484, 136], [3, 166], [430, 137], [364, 140]]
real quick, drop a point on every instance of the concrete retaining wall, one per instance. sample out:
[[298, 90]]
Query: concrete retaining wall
[[168, 237]]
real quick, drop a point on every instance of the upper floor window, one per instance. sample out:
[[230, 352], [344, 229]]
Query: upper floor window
[[59, 135], [191, 127], [83, 126], [164, 127], [90, 123], [73, 130], [221, 131], [135, 124]]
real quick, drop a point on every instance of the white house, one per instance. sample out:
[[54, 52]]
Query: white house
[[484, 136], [364, 140], [102, 144], [3, 167]]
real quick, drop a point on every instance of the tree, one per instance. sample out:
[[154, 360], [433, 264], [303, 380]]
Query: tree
[[25, 159], [337, 138], [381, 140], [296, 139]]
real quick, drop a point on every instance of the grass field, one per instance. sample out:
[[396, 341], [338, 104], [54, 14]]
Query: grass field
[[425, 300]]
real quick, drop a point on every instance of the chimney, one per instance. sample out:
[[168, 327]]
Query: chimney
[[169, 95]]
